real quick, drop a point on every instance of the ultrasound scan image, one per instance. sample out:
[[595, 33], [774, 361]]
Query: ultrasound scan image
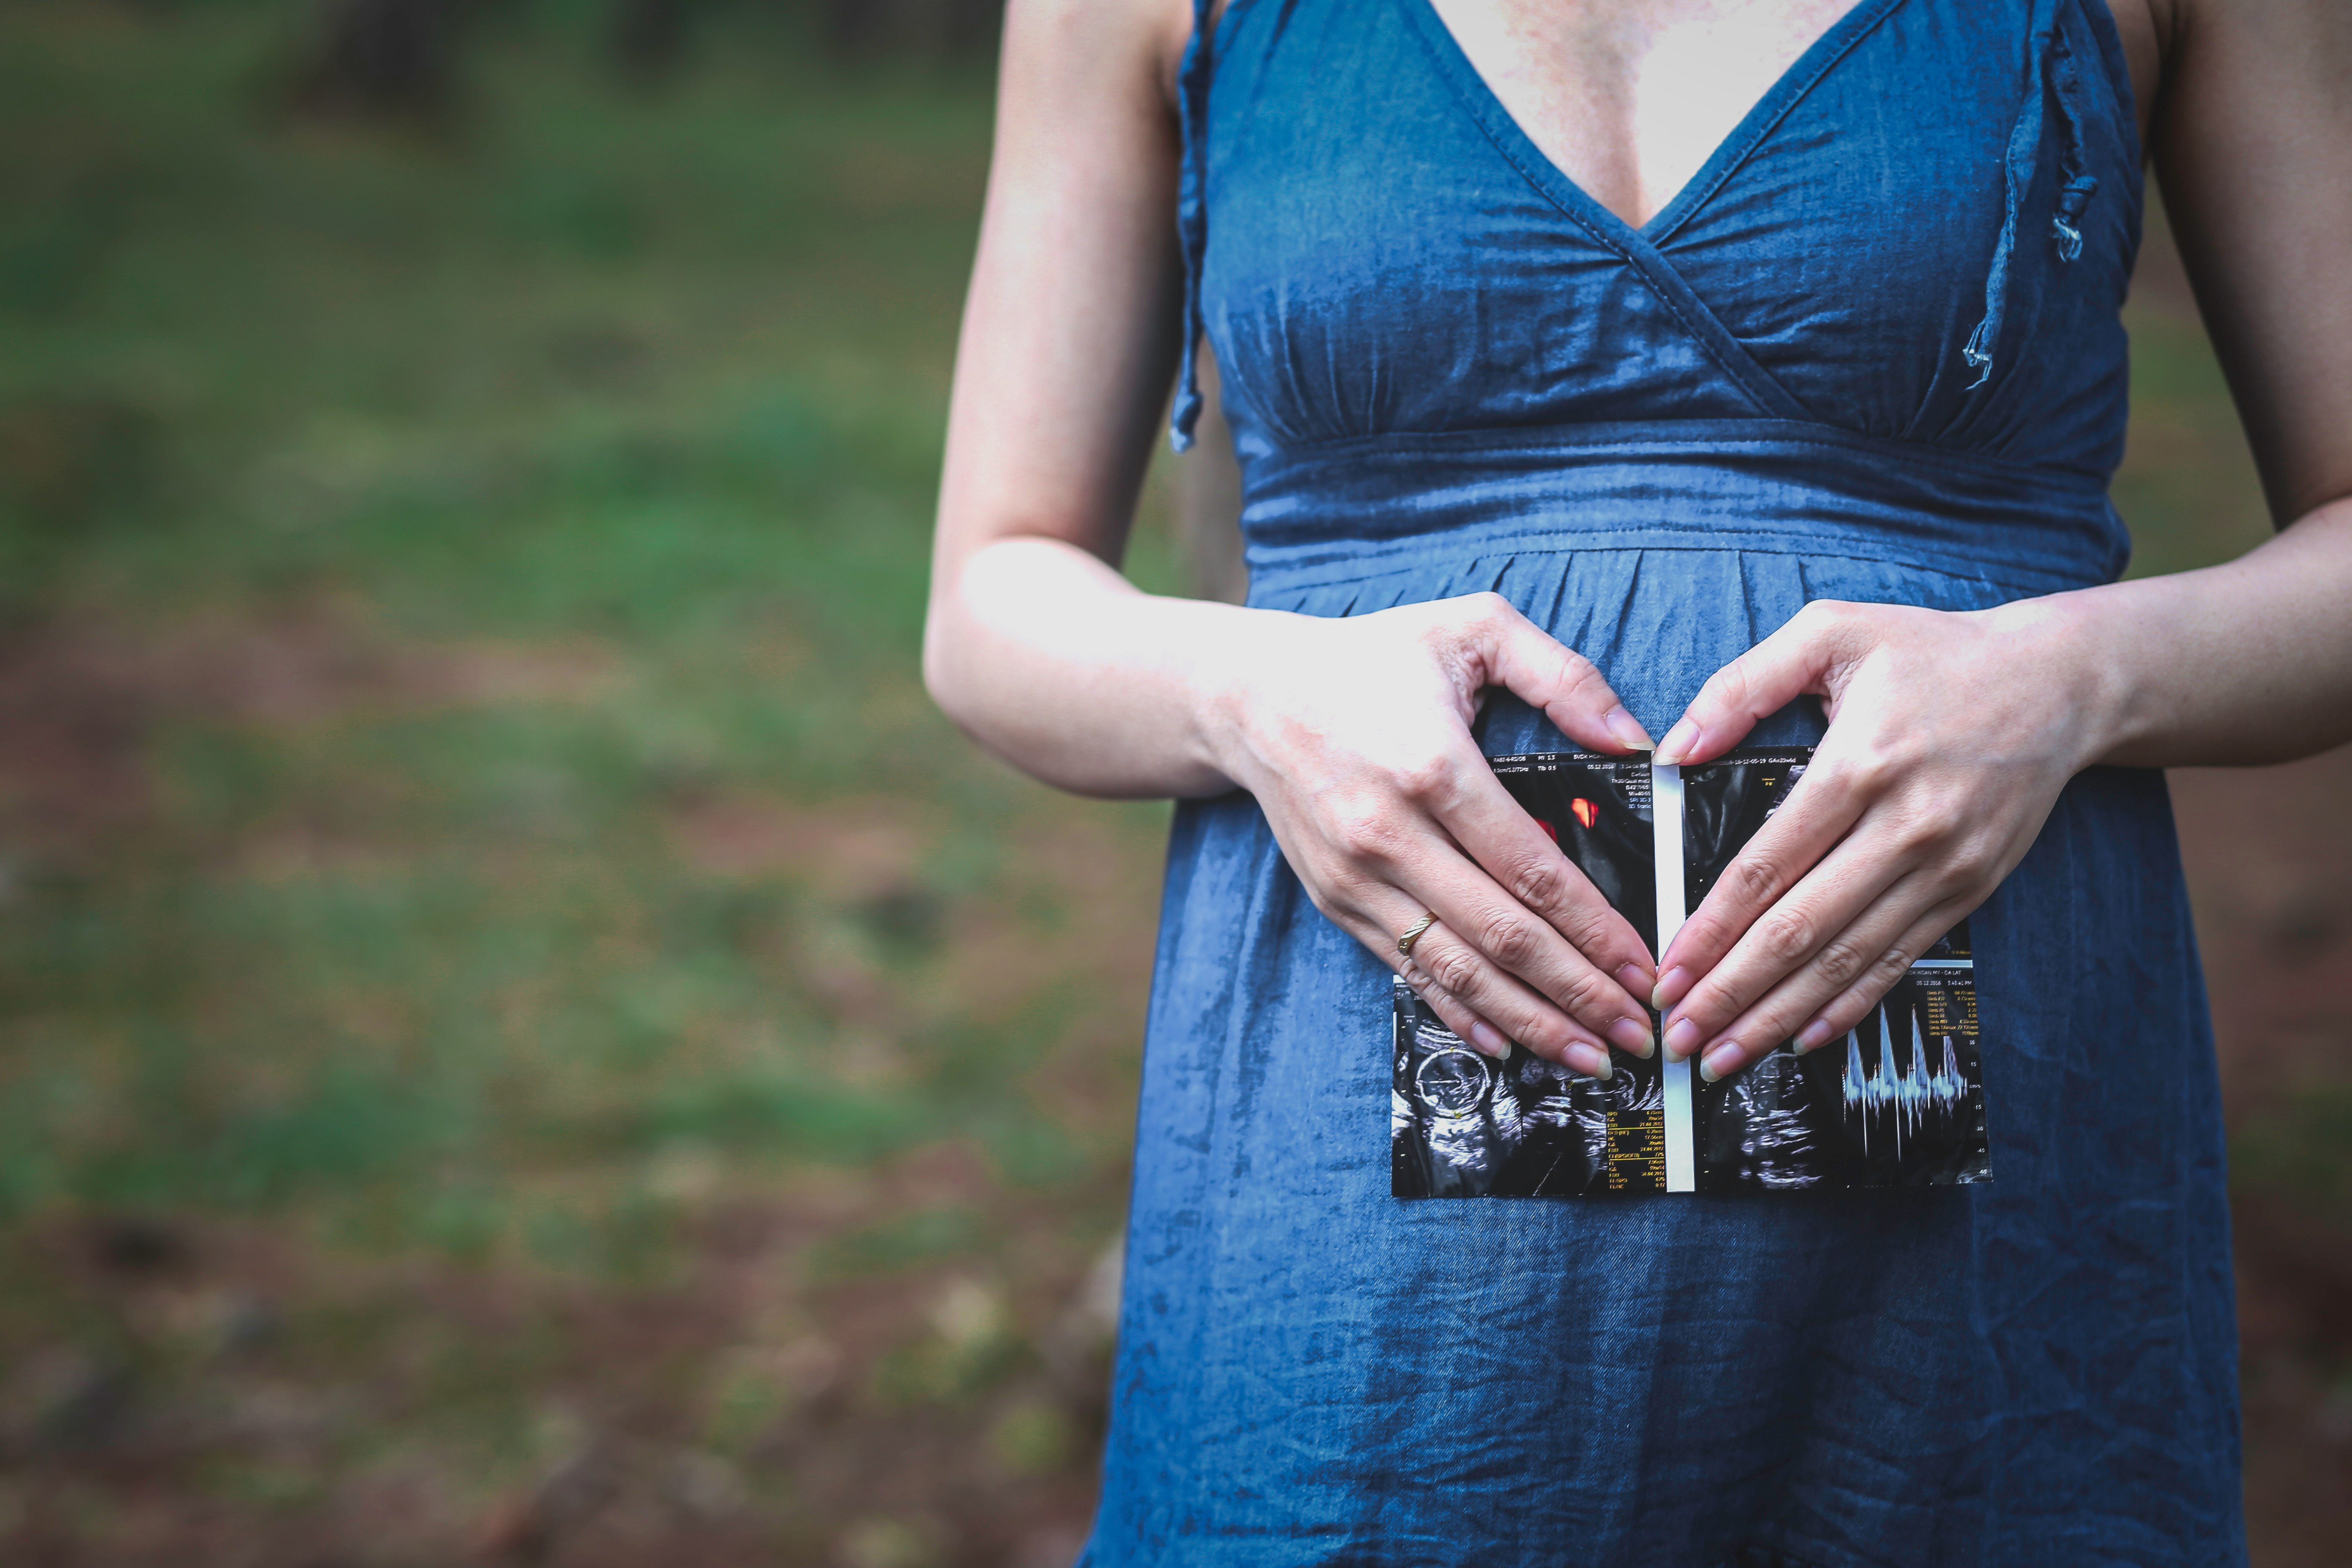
[[1896, 1101], [1597, 810], [1463, 1125]]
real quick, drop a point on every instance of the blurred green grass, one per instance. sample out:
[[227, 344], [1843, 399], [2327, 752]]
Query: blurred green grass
[[467, 804], [657, 383]]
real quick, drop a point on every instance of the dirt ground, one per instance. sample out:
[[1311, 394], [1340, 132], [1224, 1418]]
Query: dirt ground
[[899, 1363], [2268, 854], [764, 1404]]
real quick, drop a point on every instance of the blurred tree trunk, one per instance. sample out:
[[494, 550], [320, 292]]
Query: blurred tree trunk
[[1209, 499], [913, 28], [972, 26], [650, 38], [380, 57]]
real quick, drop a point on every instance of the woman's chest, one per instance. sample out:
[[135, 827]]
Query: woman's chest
[[1389, 248], [1629, 99]]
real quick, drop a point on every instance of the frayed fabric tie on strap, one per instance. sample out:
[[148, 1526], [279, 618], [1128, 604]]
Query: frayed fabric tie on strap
[[2081, 186], [1193, 211], [2050, 65]]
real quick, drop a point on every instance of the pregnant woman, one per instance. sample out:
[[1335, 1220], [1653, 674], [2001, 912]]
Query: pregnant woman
[[1721, 370]]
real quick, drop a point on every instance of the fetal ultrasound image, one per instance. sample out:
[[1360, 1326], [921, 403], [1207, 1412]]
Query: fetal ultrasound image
[[1463, 1125], [1597, 810]]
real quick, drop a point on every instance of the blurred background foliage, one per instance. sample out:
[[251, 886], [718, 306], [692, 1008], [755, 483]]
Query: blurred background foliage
[[522, 1036]]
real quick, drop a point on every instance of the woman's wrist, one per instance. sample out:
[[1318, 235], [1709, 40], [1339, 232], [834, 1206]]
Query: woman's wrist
[[1225, 686], [2082, 649]]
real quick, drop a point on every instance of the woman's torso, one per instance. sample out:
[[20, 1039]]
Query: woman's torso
[[1870, 350], [1392, 255]]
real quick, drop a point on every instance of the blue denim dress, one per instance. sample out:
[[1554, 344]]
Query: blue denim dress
[[1871, 352]]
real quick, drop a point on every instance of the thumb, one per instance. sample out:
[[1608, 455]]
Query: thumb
[[1547, 674], [1797, 658]]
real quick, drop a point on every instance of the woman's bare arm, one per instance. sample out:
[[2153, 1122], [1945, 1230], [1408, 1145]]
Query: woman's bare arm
[[1035, 643], [2252, 662], [1353, 735]]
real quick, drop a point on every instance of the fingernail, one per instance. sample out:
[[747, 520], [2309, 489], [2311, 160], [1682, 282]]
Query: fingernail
[[1680, 739], [1633, 1037], [1670, 989], [1813, 1035], [1592, 1061], [1636, 979], [1490, 1039], [1627, 729], [1719, 1062], [1682, 1040]]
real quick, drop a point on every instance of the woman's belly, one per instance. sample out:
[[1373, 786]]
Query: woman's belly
[[1298, 1332]]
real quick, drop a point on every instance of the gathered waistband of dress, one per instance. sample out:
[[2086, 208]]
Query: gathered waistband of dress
[[1341, 511]]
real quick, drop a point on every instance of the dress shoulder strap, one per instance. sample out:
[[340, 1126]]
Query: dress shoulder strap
[[2051, 71], [1193, 78]]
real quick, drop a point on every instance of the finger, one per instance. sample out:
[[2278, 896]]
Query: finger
[[1799, 999], [1793, 661], [1363, 902], [1460, 970], [1850, 1006], [1370, 925], [1807, 922], [1506, 842], [1547, 675], [1820, 812], [1771, 1016], [1528, 944], [1479, 819], [1420, 855], [1480, 1034]]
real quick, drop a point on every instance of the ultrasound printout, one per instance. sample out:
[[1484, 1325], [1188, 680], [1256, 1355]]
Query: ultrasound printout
[[1898, 1100]]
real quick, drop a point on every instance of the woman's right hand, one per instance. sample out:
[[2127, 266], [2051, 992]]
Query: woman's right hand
[[1354, 735]]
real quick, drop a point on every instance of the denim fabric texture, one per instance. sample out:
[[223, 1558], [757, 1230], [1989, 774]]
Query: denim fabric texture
[[1871, 352]]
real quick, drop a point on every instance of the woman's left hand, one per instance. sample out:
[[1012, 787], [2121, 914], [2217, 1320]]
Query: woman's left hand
[[1950, 735]]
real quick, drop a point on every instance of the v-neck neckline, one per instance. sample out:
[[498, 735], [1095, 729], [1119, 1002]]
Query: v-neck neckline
[[1808, 68]]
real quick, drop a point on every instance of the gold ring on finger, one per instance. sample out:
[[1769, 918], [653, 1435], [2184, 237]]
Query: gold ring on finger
[[1415, 932]]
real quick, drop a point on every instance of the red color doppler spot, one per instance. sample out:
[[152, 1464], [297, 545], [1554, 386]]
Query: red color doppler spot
[[1585, 811]]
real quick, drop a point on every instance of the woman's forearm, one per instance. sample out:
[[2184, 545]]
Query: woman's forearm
[[2246, 662], [1354, 734], [1057, 663], [1052, 660]]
